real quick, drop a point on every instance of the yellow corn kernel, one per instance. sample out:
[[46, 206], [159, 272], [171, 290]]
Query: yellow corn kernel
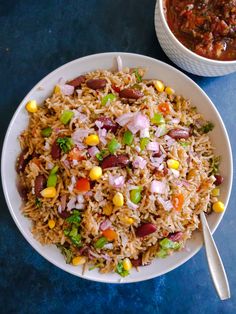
[[127, 220], [95, 173], [78, 260], [173, 164], [107, 209], [57, 89], [51, 223], [127, 264], [218, 207], [215, 192], [169, 90], [118, 199], [92, 140], [159, 86], [31, 106], [49, 192], [192, 174]]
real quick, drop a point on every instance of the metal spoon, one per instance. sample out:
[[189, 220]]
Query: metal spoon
[[215, 264]]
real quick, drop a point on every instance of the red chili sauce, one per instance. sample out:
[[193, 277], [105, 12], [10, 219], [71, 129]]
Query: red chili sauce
[[207, 27]]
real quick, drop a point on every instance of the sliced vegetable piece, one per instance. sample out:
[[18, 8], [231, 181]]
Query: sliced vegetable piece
[[162, 253], [99, 244], [66, 116], [158, 119], [164, 108], [52, 180], [110, 234], [143, 142], [113, 146], [178, 201], [46, 132], [128, 138], [168, 244], [83, 185], [65, 143], [109, 97], [135, 195]]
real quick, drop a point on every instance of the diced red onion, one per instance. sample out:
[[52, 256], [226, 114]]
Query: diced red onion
[[80, 116], [79, 135], [139, 162], [169, 140], [186, 183], [71, 186], [105, 224], [59, 208], [93, 151], [80, 206], [175, 121], [67, 89], [102, 133], [166, 204], [108, 246], [144, 133], [79, 92], [153, 146], [80, 198], [66, 163], [175, 172], [160, 131], [99, 124], [93, 254], [119, 63], [49, 165], [116, 181], [71, 203], [137, 148], [138, 123], [75, 162], [158, 187], [98, 196], [46, 145], [130, 204], [125, 118], [157, 161], [124, 239], [106, 257]]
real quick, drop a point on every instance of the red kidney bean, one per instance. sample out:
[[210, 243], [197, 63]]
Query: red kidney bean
[[176, 236], [219, 179], [137, 262], [55, 150], [22, 189], [179, 133], [77, 81], [39, 184], [108, 124], [145, 229], [96, 83], [64, 214], [22, 161], [115, 161], [130, 93]]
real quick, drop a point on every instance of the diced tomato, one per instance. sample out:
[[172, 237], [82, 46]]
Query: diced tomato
[[75, 154], [110, 234], [164, 108], [83, 185], [116, 88], [178, 201]]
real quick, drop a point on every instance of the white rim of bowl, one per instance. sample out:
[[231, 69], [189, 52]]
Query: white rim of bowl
[[193, 54], [30, 239]]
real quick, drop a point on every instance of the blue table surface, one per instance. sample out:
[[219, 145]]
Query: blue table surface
[[36, 37]]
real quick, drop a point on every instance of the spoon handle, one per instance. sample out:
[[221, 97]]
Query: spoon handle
[[215, 264]]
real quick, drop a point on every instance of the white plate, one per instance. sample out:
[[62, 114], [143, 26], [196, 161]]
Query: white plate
[[156, 69]]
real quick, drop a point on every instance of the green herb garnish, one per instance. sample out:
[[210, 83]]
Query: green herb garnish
[[38, 203], [74, 218], [100, 155], [215, 163], [137, 75], [74, 236], [209, 126], [120, 270], [65, 143], [66, 252]]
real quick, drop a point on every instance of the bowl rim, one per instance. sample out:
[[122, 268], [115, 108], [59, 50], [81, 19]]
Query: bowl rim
[[184, 48], [30, 240]]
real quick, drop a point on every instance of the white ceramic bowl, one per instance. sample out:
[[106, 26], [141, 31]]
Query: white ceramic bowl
[[156, 69], [182, 56]]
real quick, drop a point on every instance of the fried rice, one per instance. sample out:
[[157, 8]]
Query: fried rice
[[163, 182]]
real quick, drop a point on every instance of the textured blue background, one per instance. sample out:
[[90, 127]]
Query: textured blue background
[[35, 38]]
